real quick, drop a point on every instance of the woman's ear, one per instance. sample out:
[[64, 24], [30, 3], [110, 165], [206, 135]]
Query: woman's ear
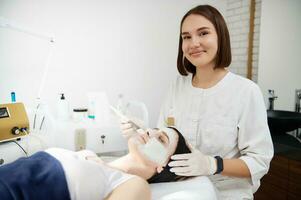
[[191, 148], [159, 169]]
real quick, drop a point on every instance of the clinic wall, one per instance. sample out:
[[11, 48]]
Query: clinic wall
[[127, 47], [279, 54], [238, 21]]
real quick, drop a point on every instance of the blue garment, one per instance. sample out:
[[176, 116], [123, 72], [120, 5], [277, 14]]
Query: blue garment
[[38, 177]]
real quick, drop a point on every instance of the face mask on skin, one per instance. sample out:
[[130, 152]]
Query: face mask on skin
[[154, 151]]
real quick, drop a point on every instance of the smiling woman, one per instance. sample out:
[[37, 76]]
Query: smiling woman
[[192, 33], [222, 114], [204, 41]]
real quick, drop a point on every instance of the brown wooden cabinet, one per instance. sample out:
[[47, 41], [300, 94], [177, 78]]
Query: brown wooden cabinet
[[283, 181], [294, 179]]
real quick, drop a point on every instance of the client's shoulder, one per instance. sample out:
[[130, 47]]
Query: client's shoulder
[[135, 188]]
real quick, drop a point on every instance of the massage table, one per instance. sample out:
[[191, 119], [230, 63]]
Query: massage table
[[198, 188]]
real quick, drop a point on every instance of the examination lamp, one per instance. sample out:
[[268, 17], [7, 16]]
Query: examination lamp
[[4, 23]]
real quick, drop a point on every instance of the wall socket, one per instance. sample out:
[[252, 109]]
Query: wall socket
[[80, 139]]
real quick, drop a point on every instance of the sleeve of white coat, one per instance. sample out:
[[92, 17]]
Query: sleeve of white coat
[[254, 139]]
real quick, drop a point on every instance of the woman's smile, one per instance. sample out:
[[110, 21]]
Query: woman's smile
[[197, 53]]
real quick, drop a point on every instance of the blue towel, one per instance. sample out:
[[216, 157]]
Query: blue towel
[[40, 176]]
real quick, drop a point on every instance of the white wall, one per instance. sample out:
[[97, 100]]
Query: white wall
[[117, 46], [280, 47]]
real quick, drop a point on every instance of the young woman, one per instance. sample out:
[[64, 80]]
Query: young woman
[[62, 174], [221, 114]]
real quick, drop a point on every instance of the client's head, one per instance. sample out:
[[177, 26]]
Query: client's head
[[155, 149]]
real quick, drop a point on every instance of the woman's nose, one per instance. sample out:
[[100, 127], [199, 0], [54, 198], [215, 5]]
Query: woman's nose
[[146, 134], [157, 136], [151, 132], [195, 42]]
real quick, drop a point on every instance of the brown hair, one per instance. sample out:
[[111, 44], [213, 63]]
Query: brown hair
[[223, 55]]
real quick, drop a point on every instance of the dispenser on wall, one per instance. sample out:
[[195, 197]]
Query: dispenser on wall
[[63, 108]]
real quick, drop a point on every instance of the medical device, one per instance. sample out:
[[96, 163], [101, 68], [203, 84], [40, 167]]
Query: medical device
[[13, 121], [123, 117]]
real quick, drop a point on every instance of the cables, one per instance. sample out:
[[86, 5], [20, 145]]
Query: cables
[[43, 145], [26, 148], [24, 131], [20, 147], [15, 141], [27, 139]]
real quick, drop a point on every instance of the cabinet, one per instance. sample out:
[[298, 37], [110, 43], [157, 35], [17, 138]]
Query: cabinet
[[95, 137], [294, 180], [98, 138], [283, 181]]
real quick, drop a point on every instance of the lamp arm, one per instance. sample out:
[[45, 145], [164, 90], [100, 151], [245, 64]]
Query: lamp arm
[[4, 23]]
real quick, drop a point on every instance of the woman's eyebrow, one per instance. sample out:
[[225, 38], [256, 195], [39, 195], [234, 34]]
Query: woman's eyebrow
[[165, 135], [199, 29], [202, 28]]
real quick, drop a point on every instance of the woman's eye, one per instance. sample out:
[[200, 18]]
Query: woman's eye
[[186, 37], [203, 33], [161, 139]]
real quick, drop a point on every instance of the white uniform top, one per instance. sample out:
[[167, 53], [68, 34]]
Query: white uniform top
[[229, 120], [87, 179]]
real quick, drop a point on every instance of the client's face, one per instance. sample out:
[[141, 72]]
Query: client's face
[[154, 148]]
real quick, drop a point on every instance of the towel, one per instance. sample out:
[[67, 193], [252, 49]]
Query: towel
[[39, 176]]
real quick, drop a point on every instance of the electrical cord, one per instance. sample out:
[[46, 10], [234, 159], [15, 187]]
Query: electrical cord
[[43, 145], [14, 141], [20, 147], [26, 134], [27, 139]]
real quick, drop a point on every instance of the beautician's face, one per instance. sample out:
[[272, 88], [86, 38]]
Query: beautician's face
[[169, 143], [200, 41]]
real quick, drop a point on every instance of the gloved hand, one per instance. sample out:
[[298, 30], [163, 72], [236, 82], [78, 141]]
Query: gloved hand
[[128, 129], [193, 164]]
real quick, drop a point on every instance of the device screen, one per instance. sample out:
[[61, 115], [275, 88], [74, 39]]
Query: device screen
[[4, 113]]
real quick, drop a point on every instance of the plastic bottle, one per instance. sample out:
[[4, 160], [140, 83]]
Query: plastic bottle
[[13, 97], [121, 104], [63, 108], [171, 117], [91, 108]]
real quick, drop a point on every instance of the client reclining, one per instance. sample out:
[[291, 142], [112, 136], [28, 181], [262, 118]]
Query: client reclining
[[62, 174]]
